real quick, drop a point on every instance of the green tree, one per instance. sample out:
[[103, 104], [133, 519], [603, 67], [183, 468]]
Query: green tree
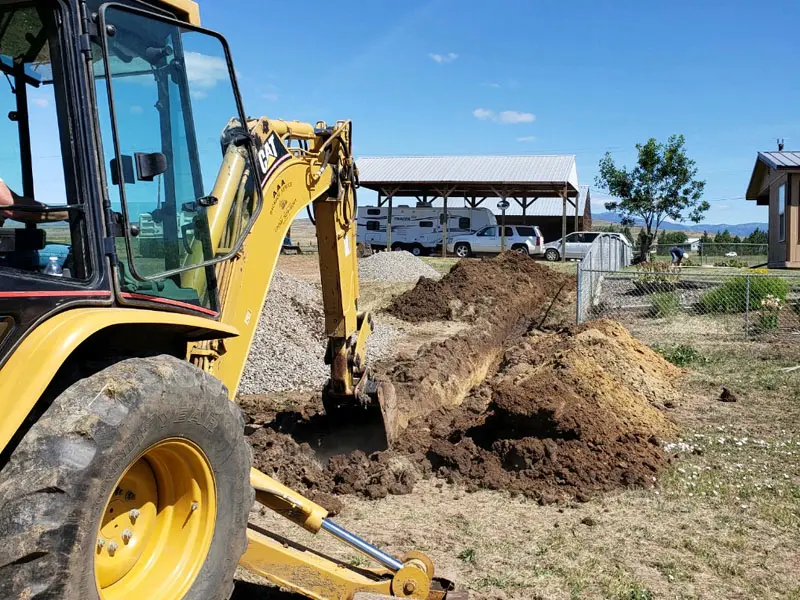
[[674, 238], [721, 243], [661, 185], [757, 237]]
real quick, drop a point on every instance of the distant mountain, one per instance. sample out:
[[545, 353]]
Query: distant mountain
[[740, 229]]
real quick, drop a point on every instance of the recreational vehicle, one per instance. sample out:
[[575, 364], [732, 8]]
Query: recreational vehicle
[[418, 229]]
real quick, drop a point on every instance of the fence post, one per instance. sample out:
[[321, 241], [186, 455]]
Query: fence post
[[747, 310], [578, 296]]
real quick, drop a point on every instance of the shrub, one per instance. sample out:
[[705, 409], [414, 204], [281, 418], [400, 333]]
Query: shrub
[[731, 297], [656, 277], [770, 312], [738, 264], [664, 304], [681, 355]]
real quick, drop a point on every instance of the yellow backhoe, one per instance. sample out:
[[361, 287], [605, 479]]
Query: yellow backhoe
[[136, 252]]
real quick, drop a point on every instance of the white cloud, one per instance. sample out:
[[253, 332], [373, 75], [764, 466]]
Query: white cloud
[[722, 206], [204, 72], [513, 116], [198, 94], [136, 109], [492, 84], [483, 114], [527, 138], [443, 58], [506, 117], [42, 102]]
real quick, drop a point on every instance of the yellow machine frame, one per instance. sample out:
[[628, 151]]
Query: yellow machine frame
[[319, 171]]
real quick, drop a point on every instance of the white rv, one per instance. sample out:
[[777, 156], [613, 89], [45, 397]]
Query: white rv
[[418, 229]]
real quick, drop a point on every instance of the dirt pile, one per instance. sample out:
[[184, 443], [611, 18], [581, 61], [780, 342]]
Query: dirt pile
[[562, 415], [567, 414], [503, 298], [480, 288], [296, 465]]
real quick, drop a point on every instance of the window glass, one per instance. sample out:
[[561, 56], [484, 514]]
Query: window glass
[[782, 213], [373, 225], [33, 106], [526, 231], [488, 232], [426, 223], [464, 223], [508, 232], [373, 211], [590, 237], [572, 238], [173, 100]]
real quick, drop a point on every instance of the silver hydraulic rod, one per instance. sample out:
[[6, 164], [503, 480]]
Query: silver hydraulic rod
[[356, 542]]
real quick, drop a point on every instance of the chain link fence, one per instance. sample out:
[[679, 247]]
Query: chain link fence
[[607, 253], [713, 254], [658, 300]]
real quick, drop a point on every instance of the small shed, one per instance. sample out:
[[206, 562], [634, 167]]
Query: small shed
[[522, 180], [775, 183]]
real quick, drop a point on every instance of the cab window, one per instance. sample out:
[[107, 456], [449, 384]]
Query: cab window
[[488, 232], [42, 222], [173, 103]]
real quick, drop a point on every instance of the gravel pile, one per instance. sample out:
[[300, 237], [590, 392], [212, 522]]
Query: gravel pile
[[394, 266], [289, 344]]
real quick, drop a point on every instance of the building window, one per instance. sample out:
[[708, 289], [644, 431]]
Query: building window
[[782, 213], [373, 225]]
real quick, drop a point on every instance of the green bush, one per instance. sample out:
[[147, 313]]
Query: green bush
[[664, 304], [738, 264], [681, 355], [731, 297]]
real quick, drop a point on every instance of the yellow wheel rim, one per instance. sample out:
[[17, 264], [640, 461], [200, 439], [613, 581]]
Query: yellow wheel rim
[[157, 525]]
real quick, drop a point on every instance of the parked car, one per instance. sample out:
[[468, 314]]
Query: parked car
[[578, 244], [520, 238]]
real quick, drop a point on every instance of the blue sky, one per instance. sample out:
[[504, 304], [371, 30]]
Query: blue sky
[[516, 77]]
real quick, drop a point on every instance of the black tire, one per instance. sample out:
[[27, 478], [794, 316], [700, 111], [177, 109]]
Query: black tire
[[54, 488], [462, 250], [416, 250], [552, 255], [520, 248]]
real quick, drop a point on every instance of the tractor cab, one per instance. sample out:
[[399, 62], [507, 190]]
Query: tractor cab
[[112, 144]]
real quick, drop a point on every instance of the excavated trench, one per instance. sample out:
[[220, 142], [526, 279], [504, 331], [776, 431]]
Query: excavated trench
[[518, 401]]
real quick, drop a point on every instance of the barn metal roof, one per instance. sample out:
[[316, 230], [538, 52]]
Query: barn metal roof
[[470, 174]]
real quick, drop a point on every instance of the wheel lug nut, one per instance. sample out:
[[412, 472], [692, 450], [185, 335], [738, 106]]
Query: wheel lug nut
[[195, 506], [100, 542], [127, 535], [133, 514], [112, 547]]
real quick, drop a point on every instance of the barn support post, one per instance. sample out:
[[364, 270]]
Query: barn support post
[[564, 226]]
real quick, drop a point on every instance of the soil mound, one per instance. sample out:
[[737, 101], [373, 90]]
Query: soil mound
[[479, 288], [567, 414], [561, 415]]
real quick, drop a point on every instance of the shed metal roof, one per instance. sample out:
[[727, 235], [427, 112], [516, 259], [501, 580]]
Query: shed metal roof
[[412, 173], [765, 161], [781, 160]]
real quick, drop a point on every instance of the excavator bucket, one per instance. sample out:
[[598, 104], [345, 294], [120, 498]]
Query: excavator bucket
[[372, 420]]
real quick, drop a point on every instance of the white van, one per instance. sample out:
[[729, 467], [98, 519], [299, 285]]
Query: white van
[[417, 229]]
